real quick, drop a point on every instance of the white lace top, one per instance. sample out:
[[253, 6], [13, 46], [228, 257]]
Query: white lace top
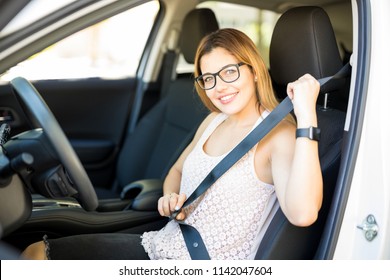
[[229, 216]]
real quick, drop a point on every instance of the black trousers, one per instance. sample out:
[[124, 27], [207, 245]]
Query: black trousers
[[105, 246]]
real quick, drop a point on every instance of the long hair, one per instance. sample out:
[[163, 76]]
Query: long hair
[[243, 48]]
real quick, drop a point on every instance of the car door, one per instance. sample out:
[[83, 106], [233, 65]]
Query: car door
[[89, 80]]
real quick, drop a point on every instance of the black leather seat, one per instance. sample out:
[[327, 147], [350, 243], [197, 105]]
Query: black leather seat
[[159, 136], [304, 42]]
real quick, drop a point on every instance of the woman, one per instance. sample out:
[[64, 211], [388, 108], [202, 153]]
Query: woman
[[233, 82]]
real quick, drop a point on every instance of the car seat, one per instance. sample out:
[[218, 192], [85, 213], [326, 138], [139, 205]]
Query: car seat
[[151, 149], [304, 42]]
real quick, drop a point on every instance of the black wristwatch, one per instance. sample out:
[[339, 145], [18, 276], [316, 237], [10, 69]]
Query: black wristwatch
[[313, 133]]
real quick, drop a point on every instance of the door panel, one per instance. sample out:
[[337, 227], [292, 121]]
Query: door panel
[[93, 114]]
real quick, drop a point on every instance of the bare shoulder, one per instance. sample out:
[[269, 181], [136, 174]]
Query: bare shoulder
[[277, 146], [284, 131], [205, 123], [281, 137], [179, 163]]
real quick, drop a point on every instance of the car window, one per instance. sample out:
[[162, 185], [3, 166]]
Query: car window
[[105, 50], [257, 24]]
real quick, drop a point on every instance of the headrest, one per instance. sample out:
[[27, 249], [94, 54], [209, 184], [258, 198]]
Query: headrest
[[303, 42], [197, 24]]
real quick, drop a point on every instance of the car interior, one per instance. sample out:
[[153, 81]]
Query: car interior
[[303, 41]]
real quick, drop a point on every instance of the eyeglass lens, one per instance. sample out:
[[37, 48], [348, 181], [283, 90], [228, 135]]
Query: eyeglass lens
[[228, 74]]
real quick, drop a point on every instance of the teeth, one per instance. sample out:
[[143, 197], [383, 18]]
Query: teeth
[[227, 97]]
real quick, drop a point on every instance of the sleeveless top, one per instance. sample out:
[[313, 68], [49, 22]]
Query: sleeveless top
[[229, 216]]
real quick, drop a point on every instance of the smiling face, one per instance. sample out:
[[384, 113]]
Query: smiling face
[[235, 98]]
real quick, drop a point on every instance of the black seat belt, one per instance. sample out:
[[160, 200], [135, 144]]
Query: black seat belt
[[167, 71], [192, 238]]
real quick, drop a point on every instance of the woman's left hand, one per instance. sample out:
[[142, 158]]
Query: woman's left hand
[[303, 94]]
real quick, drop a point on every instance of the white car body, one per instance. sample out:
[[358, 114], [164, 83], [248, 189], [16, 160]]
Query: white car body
[[370, 184]]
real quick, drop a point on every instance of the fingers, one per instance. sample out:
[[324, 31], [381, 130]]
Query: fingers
[[169, 203], [180, 201], [305, 83], [160, 206], [181, 216], [164, 205], [303, 94]]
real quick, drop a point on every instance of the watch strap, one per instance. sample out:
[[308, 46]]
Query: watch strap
[[313, 133]]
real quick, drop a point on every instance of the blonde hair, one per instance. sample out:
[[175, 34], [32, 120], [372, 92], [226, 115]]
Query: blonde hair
[[243, 48]]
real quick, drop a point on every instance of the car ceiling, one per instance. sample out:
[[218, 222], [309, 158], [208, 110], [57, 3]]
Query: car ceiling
[[9, 8]]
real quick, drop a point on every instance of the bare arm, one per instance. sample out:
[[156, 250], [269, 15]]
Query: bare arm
[[172, 199], [298, 180]]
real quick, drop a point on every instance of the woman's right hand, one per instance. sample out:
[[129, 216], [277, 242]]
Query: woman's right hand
[[170, 203]]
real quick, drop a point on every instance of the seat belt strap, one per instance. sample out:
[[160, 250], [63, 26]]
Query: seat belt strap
[[168, 70], [192, 237], [279, 113]]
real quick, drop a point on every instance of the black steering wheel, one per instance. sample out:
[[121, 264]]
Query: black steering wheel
[[40, 116]]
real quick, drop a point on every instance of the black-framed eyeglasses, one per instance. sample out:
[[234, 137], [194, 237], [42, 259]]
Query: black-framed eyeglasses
[[228, 74]]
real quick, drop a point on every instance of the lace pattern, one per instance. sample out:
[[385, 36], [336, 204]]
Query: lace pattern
[[229, 216]]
